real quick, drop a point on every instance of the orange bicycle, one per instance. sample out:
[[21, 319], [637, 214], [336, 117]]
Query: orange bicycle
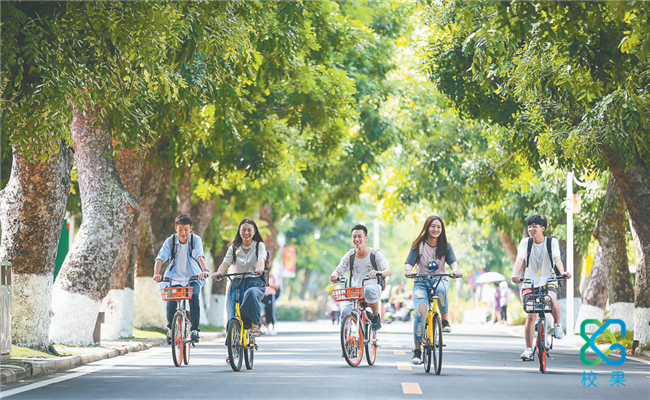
[[356, 331], [181, 325]]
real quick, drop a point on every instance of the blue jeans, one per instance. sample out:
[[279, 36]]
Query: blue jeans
[[421, 289], [195, 309], [250, 296]]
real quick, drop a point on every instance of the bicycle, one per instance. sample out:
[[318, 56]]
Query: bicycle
[[432, 341], [539, 302], [238, 339], [181, 325], [356, 331]]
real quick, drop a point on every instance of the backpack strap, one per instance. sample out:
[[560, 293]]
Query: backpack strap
[[352, 257], [556, 270], [530, 248], [373, 259]]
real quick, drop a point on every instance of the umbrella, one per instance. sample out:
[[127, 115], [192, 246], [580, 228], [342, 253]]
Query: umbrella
[[490, 277]]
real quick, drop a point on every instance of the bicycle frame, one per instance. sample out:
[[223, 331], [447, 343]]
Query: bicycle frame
[[432, 308], [243, 332]]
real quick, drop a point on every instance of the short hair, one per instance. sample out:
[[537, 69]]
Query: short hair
[[537, 219], [360, 227], [183, 219]]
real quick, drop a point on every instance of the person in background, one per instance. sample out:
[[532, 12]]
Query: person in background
[[505, 300], [269, 303]]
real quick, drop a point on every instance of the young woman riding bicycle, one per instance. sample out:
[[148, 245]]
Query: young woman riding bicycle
[[247, 254], [428, 255]]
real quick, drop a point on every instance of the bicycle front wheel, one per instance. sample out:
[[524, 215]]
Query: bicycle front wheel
[[177, 339], [436, 342], [541, 345], [371, 346], [249, 353], [427, 345], [187, 341], [234, 342], [352, 340]]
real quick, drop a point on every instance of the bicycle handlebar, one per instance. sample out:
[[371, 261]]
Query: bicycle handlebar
[[550, 279], [413, 276], [194, 278]]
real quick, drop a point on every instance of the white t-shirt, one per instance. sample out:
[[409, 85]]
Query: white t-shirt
[[541, 267], [182, 266], [362, 267]]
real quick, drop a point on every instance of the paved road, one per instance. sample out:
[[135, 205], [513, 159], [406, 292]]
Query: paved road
[[303, 362]]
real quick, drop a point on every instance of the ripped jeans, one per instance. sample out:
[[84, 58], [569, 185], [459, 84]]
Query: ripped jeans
[[420, 289]]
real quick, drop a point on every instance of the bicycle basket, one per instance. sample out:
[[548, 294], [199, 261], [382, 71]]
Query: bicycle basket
[[536, 302], [176, 293], [348, 294]]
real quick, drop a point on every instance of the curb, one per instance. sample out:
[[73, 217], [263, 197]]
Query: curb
[[22, 368]]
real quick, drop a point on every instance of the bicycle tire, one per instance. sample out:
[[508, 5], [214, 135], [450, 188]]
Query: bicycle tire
[[351, 340], [371, 346], [541, 345], [426, 347], [188, 342], [249, 353], [177, 339], [437, 345], [235, 348]]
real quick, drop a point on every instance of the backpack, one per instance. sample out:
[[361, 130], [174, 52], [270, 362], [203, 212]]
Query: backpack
[[265, 274], [381, 280], [172, 259], [550, 253]]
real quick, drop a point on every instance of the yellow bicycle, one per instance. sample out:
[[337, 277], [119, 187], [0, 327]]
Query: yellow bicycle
[[432, 342], [240, 343]]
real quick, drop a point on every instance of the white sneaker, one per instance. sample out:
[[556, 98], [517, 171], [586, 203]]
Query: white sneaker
[[559, 333], [527, 355], [272, 332]]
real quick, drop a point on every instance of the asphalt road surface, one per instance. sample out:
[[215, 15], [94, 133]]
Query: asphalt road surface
[[304, 362]]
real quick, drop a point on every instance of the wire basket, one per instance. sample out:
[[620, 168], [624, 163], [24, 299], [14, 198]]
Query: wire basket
[[536, 302], [176, 293], [348, 294]]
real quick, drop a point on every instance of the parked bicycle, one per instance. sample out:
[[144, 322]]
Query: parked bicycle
[[181, 325], [356, 332], [432, 341], [539, 302], [241, 344]]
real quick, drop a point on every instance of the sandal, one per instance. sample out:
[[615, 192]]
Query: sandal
[[255, 331], [228, 360]]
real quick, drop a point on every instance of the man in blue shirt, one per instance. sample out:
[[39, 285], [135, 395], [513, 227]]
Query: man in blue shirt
[[184, 251]]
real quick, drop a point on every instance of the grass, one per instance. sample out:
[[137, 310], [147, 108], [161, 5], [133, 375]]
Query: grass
[[211, 328], [26, 352], [149, 333], [626, 340]]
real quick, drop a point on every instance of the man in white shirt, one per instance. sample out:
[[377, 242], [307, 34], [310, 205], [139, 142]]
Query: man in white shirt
[[540, 268], [363, 268]]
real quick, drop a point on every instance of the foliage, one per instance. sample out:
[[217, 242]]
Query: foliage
[[298, 311]]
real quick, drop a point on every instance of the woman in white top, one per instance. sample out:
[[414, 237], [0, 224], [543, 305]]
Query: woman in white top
[[247, 254]]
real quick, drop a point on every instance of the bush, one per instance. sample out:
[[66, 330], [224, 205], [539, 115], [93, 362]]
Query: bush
[[298, 311]]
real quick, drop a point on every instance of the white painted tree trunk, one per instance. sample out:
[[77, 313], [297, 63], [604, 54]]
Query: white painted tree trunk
[[112, 306], [587, 311], [624, 312], [217, 310], [577, 303], [203, 317], [31, 308], [149, 306], [642, 325], [128, 309], [73, 322]]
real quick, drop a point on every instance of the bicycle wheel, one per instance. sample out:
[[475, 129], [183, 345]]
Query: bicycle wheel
[[371, 346], [188, 342], [541, 345], [177, 339], [436, 342], [234, 342], [249, 353], [427, 345], [352, 340]]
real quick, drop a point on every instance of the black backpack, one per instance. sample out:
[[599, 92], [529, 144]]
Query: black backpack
[[548, 249], [172, 259], [381, 280], [267, 262]]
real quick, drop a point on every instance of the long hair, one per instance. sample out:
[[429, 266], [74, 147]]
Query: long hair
[[238, 239], [441, 248]]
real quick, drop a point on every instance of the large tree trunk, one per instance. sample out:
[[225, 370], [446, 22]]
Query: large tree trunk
[[634, 182], [118, 303], [610, 232], [594, 300], [305, 283], [155, 225], [271, 240], [32, 211], [511, 250], [108, 211]]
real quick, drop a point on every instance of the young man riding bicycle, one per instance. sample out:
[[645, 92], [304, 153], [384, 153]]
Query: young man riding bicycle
[[366, 263], [534, 252], [184, 251]]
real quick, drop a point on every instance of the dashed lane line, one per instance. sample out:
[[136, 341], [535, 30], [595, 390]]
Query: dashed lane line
[[411, 388]]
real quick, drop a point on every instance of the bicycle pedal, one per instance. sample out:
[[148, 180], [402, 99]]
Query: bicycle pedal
[[193, 344]]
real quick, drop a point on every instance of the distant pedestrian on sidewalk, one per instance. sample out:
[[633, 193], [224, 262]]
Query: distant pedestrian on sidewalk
[[270, 295]]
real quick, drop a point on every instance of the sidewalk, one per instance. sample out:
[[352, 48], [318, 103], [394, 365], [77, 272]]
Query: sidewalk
[[15, 369]]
